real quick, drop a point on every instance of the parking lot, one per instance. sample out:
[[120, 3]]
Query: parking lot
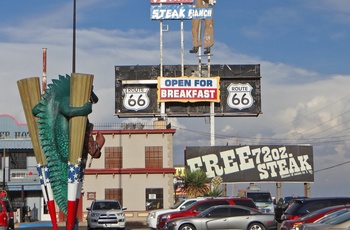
[[134, 223]]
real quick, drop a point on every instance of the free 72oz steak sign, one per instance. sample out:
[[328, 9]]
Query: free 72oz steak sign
[[257, 163]]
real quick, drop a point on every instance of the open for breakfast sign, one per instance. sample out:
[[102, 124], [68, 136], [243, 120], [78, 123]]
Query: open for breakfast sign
[[188, 89]]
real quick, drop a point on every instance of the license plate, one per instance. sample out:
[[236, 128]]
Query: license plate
[[107, 225]]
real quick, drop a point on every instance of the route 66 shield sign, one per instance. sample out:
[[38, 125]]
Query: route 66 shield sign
[[240, 96], [136, 98]]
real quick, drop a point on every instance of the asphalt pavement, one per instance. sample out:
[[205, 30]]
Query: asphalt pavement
[[134, 223]]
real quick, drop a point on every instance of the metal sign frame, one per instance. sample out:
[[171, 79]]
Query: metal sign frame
[[137, 86]]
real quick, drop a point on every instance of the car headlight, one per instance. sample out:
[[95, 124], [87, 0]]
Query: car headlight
[[165, 217], [152, 215], [120, 214], [94, 214]]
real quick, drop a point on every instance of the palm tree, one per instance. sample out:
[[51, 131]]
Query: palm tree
[[215, 190], [196, 183]]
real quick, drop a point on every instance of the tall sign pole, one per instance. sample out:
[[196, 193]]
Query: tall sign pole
[[162, 104]]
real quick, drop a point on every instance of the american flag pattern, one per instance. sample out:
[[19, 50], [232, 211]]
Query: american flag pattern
[[73, 173]]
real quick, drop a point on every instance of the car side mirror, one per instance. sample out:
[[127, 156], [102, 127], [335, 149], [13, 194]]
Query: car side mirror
[[89, 209]]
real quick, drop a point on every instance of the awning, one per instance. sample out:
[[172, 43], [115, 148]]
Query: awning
[[24, 187], [16, 144]]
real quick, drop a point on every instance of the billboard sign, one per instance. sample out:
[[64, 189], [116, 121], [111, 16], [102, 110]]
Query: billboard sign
[[171, 1], [188, 89], [179, 12], [256, 163], [235, 90]]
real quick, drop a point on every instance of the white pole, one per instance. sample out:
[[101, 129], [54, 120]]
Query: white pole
[[162, 104], [182, 48]]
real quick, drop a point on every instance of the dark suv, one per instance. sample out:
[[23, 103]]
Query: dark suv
[[197, 207], [301, 207]]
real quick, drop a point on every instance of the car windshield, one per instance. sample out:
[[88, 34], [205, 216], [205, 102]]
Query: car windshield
[[338, 219], [332, 215], [189, 206], [204, 213], [106, 205], [293, 208], [175, 206]]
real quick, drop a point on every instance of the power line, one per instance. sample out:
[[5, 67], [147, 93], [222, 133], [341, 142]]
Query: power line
[[334, 166]]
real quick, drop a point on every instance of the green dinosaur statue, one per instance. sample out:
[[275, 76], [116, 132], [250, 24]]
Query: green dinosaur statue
[[53, 113]]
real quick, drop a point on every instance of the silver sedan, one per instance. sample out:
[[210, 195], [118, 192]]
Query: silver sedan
[[225, 217]]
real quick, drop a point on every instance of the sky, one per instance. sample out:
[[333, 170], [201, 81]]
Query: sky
[[302, 47]]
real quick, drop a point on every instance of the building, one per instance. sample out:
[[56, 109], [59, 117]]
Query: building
[[19, 174], [136, 167]]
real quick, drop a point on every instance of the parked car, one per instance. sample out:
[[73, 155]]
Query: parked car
[[283, 204], [106, 214], [312, 217], [288, 200], [341, 221], [152, 216], [10, 214], [304, 206], [199, 206], [225, 217], [4, 220]]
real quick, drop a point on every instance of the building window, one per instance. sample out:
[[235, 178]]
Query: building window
[[114, 194], [154, 198], [18, 160], [91, 195], [154, 157], [18, 175], [114, 157]]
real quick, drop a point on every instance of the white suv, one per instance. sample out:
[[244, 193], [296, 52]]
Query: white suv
[[152, 216], [106, 214]]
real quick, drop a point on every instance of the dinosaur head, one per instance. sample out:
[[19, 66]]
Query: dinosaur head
[[93, 97]]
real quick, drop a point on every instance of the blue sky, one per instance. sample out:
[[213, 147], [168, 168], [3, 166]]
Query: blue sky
[[302, 47]]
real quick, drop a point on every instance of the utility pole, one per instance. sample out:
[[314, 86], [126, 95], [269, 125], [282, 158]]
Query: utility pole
[[3, 169], [74, 34]]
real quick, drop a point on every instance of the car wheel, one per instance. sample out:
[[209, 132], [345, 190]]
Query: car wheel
[[256, 226], [187, 227]]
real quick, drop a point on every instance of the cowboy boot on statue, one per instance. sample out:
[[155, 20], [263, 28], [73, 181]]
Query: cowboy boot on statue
[[208, 29]]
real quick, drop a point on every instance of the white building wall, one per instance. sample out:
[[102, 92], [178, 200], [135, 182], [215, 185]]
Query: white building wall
[[134, 185], [134, 188], [134, 149]]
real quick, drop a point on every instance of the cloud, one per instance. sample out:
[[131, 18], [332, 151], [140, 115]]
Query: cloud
[[299, 105]]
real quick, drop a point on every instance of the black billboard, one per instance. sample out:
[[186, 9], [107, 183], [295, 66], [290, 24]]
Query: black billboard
[[256, 163], [136, 91]]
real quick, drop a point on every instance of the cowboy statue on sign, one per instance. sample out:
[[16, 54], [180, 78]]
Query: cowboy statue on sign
[[208, 29]]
